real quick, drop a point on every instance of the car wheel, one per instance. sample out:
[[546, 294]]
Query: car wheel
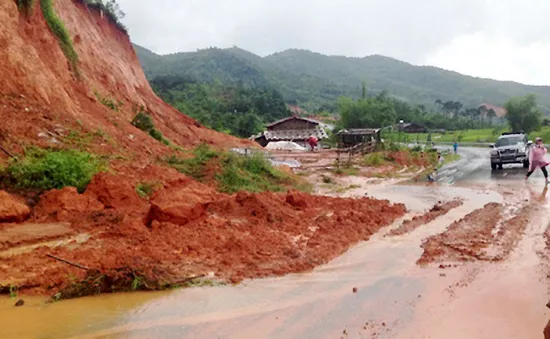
[[500, 166], [526, 164], [493, 166]]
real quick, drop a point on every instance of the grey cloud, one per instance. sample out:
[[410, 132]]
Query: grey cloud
[[404, 29]]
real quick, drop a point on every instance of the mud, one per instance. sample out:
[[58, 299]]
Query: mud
[[486, 234], [435, 212], [188, 229]]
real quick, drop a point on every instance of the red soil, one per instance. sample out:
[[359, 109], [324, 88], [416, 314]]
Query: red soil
[[481, 235], [435, 212], [38, 85], [189, 229], [185, 228]]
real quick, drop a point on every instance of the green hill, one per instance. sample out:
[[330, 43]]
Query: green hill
[[314, 80]]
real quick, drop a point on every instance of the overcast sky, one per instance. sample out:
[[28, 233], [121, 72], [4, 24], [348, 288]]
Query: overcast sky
[[499, 39]]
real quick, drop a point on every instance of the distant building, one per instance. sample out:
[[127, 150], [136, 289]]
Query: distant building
[[295, 129], [355, 136], [411, 128]]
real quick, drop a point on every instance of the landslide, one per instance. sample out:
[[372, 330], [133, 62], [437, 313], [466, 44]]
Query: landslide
[[41, 94], [185, 229], [136, 224]]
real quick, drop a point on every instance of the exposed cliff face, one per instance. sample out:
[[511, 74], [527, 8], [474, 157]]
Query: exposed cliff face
[[34, 66]]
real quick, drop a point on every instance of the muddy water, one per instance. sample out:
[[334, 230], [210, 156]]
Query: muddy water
[[394, 299], [320, 304]]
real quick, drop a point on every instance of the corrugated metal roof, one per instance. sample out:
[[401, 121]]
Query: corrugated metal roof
[[289, 135], [359, 131], [297, 118]]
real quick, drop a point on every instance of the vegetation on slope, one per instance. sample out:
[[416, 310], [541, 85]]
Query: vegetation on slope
[[44, 170], [237, 110], [59, 30], [110, 8], [316, 81], [144, 122], [232, 173]]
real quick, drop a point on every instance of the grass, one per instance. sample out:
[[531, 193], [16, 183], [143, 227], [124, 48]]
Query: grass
[[195, 166], [373, 160], [145, 189], [43, 170], [109, 102], [60, 31], [233, 172], [477, 135]]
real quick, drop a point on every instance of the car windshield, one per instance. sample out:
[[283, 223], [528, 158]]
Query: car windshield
[[511, 141]]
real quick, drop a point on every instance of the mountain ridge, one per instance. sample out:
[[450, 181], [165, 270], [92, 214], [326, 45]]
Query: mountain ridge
[[315, 80]]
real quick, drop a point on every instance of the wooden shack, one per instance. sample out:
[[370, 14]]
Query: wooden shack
[[355, 136]]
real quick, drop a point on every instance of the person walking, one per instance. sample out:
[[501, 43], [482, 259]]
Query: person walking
[[536, 159], [455, 147]]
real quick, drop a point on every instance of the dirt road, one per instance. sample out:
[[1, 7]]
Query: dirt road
[[482, 275]]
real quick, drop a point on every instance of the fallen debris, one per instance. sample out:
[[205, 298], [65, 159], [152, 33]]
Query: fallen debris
[[482, 235], [187, 228], [11, 209], [435, 212]]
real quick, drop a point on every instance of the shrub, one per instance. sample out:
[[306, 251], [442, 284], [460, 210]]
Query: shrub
[[144, 122], [374, 159], [109, 102], [111, 9], [327, 179], [416, 148], [58, 28], [48, 169], [25, 6]]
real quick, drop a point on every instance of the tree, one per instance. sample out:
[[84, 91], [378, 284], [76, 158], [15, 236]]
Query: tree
[[522, 113], [366, 113]]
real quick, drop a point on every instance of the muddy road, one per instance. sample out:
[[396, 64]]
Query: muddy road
[[476, 270]]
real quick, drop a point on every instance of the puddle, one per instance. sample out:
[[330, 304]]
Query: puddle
[[78, 239]]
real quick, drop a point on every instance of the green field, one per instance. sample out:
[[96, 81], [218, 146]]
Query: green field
[[478, 135]]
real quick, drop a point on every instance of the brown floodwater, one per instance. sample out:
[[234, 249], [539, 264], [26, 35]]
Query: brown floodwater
[[394, 298]]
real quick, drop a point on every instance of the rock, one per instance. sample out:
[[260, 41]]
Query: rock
[[355, 290], [65, 204], [11, 209], [115, 191], [19, 303], [181, 203], [297, 199]]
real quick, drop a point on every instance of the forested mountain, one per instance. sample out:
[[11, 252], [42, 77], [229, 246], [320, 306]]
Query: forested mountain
[[315, 81]]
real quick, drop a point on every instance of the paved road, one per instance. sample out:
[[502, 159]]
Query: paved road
[[474, 166]]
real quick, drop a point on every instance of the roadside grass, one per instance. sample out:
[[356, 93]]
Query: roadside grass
[[233, 172], [475, 135], [46, 169]]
